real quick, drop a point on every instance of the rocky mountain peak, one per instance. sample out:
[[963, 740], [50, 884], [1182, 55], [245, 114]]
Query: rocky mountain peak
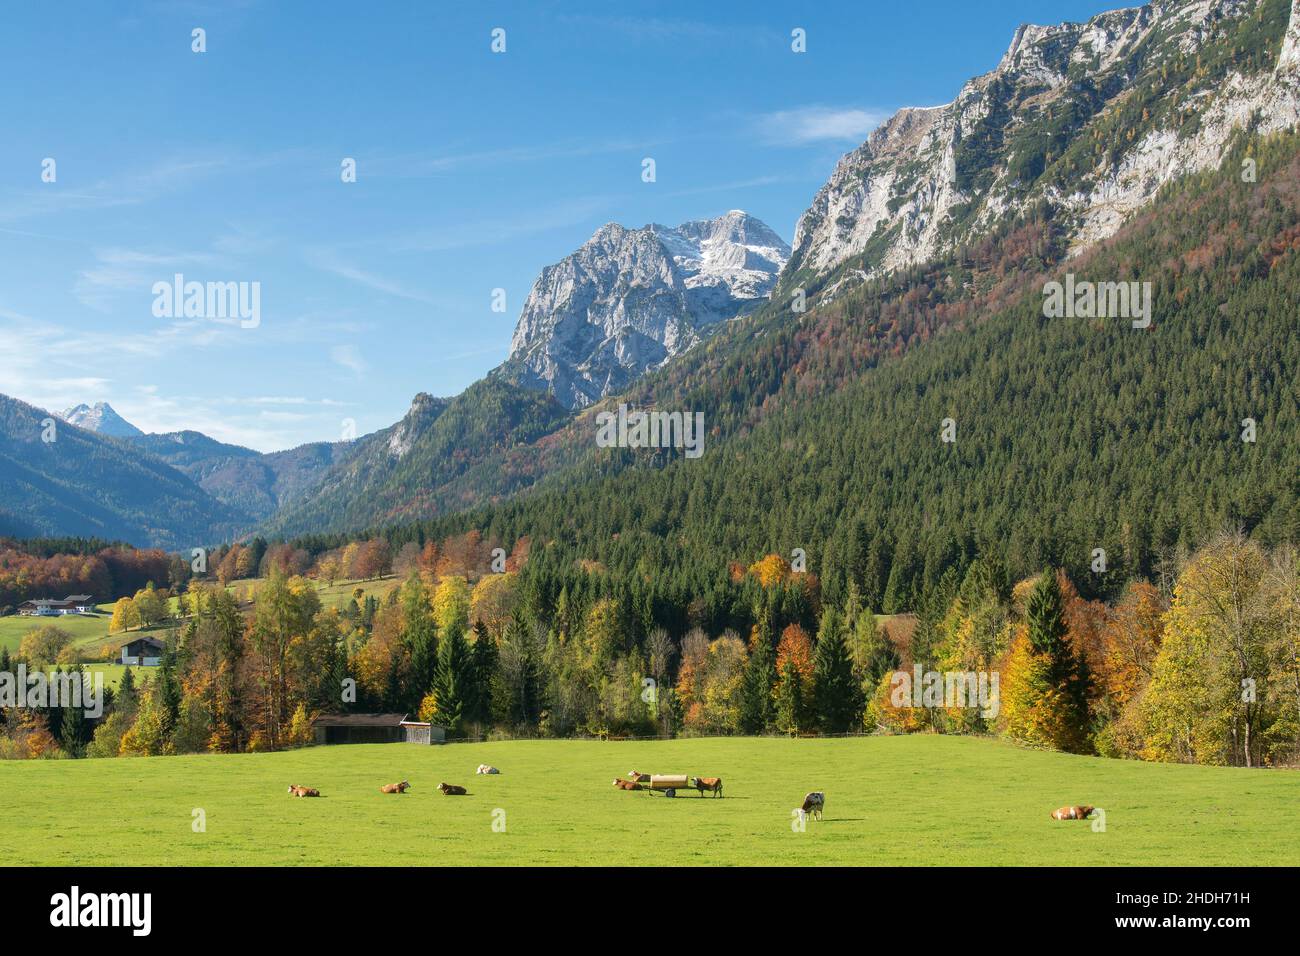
[[100, 418], [1090, 118], [628, 300]]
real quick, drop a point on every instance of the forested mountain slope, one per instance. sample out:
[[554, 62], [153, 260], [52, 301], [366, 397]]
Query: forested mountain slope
[[1071, 434], [86, 485], [256, 484], [418, 467]]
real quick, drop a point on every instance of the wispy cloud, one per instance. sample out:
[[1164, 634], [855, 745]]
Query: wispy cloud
[[411, 165], [492, 231], [349, 358], [815, 124], [329, 261], [117, 271]]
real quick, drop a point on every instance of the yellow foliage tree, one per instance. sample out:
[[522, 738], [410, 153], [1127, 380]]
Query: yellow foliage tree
[[126, 616]]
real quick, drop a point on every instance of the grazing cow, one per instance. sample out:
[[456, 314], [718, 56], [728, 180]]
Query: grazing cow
[[451, 790], [1072, 813], [813, 803], [298, 791], [484, 768], [712, 784], [395, 787], [627, 784]]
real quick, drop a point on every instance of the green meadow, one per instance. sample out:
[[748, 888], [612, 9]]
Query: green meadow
[[914, 800], [90, 631]]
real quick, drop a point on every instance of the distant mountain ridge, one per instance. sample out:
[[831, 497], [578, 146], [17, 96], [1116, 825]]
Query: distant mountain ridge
[[101, 419], [65, 480], [254, 482], [628, 300]]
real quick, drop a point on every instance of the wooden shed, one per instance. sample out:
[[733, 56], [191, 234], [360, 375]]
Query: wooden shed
[[359, 728], [423, 732]]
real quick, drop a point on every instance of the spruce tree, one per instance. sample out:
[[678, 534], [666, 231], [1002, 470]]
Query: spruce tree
[[1066, 672], [837, 697], [452, 680], [483, 667], [73, 733], [790, 704], [760, 676], [420, 635]]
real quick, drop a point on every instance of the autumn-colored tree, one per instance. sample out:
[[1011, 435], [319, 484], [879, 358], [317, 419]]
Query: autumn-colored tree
[[348, 561], [373, 559], [226, 569], [793, 691], [795, 648], [300, 733], [716, 687], [126, 616], [604, 634], [42, 645], [770, 570], [1206, 702], [451, 603], [494, 600], [285, 611], [328, 568], [1044, 684], [147, 737], [382, 663], [151, 605], [889, 707]]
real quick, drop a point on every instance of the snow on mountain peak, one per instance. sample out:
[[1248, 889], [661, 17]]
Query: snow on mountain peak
[[100, 418], [630, 299]]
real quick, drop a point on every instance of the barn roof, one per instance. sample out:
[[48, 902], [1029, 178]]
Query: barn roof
[[142, 637], [359, 720]]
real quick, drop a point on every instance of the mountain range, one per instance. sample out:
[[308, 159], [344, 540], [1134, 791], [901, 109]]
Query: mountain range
[[921, 260]]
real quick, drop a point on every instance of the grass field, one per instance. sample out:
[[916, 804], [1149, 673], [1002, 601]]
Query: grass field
[[889, 800], [90, 632]]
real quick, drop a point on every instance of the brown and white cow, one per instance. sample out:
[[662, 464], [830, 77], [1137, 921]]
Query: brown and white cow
[[813, 803], [299, 791], [1072, 813], [638, 776], [452, 790], [622, 784], [395, 787], [712, 784]]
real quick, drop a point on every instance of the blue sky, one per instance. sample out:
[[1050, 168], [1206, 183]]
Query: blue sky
[[474, 170]]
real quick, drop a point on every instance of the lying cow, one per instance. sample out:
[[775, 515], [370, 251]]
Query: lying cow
[[395, 787], [451, 790], [712, 784], [638, 776], [622, 784], [813, 803], [1072, 813], [298, 791], [484, 768]]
